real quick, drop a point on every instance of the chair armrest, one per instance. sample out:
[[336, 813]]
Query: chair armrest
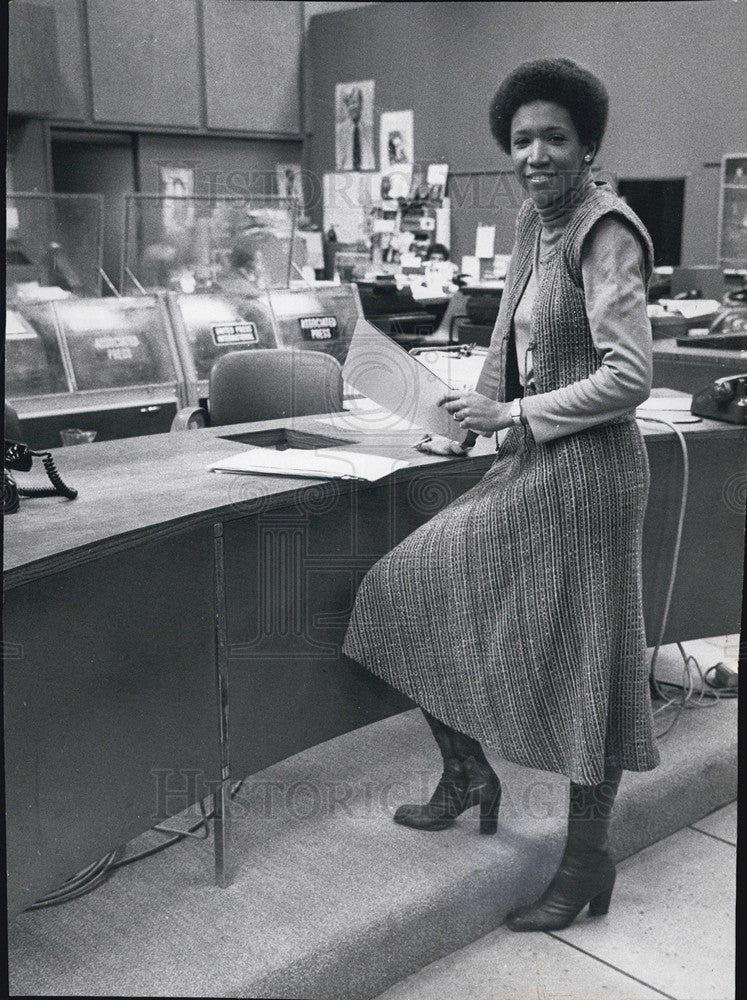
[[190, 418]]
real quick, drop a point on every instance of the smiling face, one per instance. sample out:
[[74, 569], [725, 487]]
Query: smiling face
[[547, 154]]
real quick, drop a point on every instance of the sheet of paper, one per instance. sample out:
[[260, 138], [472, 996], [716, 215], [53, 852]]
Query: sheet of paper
[[437, 173], [347, 201], [324, 463], [471, 267], [690, 308], [500, 264], [668, 403], [380, 369], [485, 242]]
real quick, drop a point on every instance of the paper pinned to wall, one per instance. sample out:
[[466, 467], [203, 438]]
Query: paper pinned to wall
[[500, 264], [436, 181], [485, 242], [314, 248], [395, 139], [348, 199]]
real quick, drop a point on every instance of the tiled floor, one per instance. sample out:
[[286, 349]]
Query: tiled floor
[[668, 897]]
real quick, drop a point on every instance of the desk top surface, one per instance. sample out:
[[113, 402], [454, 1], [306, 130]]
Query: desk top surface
[[667, 346], [134, 488]]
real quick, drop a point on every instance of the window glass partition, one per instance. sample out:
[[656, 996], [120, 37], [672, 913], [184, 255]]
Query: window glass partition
[[53, 246], [33, 358], [193, 244], [116, 343]]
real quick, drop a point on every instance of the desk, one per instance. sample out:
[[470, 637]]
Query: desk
[[138, 614], [690, 369]]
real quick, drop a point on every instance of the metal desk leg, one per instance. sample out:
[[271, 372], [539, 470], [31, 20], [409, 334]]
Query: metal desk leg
[[222, 795], [221, 834]]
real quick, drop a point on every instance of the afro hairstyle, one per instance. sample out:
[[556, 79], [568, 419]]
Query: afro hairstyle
[[561, 81]]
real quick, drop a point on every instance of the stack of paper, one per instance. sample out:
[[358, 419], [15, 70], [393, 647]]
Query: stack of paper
[[323, 464]]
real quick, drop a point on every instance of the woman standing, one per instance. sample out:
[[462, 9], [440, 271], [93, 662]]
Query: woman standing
[[514, 616]]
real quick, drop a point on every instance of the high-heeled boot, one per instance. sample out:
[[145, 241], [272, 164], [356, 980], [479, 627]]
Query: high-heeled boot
[[587, 873], [467, 780]]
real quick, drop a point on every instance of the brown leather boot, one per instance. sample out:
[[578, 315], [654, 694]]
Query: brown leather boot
[[586, 874], [467, 780]]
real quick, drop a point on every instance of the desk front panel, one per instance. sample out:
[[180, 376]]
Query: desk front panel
[[707, 596], [110, 706], [291, 576]]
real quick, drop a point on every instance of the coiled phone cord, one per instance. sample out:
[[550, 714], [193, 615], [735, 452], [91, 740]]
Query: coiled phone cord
[[58, 488]]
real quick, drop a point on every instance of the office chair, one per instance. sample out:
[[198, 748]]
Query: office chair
[[247, 386]]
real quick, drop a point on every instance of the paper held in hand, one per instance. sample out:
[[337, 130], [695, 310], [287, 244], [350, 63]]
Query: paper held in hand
[[383, 371]]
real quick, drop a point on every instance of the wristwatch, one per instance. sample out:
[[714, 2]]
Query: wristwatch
[[515, 411]]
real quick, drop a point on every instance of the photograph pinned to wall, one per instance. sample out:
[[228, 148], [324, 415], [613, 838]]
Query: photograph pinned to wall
[[395, 139], [354, 117], [396, 182], [348, 199], [419, 184], [177, 186], [289, 182], [438, 174]]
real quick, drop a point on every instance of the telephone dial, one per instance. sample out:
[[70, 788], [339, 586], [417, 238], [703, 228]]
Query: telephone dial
[[725, 399], [17, 457]]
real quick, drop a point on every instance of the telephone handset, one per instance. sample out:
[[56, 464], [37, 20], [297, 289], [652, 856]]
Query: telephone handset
[[19, 457], [725, 399]]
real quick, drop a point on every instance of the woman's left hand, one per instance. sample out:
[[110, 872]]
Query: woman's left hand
[[476, 412]]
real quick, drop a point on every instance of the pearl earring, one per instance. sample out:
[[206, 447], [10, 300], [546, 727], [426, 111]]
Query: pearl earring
[[587, 158]]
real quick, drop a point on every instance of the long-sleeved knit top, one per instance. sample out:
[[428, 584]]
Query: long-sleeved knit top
[[612, 265]]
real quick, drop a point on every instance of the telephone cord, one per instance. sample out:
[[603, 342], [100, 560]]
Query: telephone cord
[[58, 488]]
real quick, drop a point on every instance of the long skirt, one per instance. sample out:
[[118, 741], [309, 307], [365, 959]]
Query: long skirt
[[514, 614]]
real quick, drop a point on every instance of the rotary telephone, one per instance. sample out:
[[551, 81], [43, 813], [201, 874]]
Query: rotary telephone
[[725, 399], [18, 457]]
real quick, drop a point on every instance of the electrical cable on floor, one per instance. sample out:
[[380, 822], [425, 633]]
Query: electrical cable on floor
[[97, 873]]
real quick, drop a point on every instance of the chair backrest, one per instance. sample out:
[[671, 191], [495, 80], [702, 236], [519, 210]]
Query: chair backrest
[[266, 384]]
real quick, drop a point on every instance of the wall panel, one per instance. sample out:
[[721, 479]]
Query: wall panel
[[145, 62], [252, 60], [47, 76]]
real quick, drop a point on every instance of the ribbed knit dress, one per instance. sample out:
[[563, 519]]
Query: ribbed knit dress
[[514, 614]]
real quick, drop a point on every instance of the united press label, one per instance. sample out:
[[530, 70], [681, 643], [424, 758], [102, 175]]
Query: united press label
[[235, 333]]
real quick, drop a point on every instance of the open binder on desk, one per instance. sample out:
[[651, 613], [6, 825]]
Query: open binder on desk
[[326, 464]]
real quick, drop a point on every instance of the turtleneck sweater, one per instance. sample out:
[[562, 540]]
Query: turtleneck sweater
[[615, 296]]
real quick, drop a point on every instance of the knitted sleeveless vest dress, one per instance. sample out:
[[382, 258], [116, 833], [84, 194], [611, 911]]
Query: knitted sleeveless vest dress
[[515, 615]]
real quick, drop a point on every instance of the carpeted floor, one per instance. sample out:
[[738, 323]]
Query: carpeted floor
[[330, 899]]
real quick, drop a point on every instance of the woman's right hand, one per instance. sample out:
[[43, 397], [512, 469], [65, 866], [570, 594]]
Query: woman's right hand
[[436, 444]]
